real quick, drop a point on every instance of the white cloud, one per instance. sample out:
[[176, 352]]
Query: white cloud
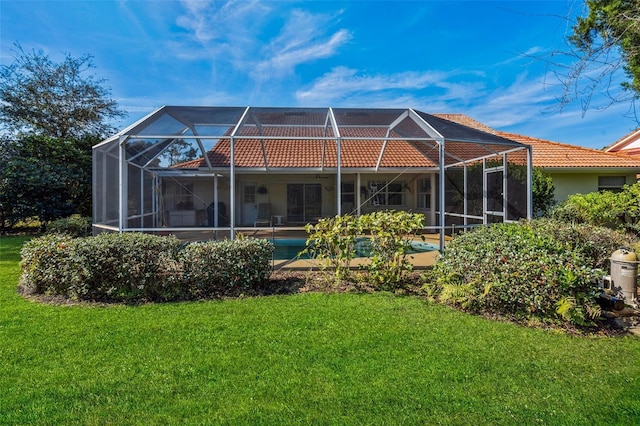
[[343, 83], [240, 34], [209, 21], [304, 38]]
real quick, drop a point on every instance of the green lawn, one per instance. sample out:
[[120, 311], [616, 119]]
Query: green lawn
[[302, 359]]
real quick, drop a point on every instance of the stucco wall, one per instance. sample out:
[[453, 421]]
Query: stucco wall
[[580, 183]]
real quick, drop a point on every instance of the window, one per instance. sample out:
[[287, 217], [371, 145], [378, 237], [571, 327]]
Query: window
[[347, 192], [611, 183], [184, 196], [250, 193], [385, 193], [424, 193], [348, 197]]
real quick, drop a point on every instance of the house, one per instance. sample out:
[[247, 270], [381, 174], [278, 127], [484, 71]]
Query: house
[[575, 169], [628, 144], [185, 169]]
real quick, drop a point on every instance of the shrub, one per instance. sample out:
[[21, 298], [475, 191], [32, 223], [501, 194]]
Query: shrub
[[333, 242], [225, 267], [129, 267], [389, 234], [596, 208], [617, 210], [543, 192], [75, 226], [540, 268], [134, 267], [595, 243], [50, 265]]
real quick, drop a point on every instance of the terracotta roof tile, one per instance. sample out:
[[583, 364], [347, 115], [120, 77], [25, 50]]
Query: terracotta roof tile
[[548, 154], [364, 153]]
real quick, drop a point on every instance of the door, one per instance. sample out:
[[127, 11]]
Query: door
[[494, 196], [249, 206], [304, 202]]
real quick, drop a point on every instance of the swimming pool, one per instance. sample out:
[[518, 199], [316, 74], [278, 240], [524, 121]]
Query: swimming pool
[[286, 249]]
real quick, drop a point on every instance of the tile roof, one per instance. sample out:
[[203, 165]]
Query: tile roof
[[290, 153], [548, 154], [365, 153]]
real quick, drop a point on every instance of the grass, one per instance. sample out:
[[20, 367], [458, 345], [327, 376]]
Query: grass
[[302, 359]]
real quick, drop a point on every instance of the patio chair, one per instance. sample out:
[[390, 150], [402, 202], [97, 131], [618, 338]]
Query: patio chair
[[264, 215]]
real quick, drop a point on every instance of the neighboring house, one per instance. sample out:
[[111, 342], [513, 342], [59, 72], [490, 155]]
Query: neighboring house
[[628, 144], [189, 168], [575, 169]]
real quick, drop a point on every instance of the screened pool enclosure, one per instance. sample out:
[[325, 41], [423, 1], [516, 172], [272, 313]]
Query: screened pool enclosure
[[211, 172]]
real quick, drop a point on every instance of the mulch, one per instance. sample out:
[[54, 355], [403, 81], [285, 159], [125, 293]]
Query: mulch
[[287, 282]]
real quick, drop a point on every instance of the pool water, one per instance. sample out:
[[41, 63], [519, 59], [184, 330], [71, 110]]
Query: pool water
[[290, 248]]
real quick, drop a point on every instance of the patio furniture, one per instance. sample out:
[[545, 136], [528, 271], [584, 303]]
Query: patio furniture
[[264, 215]]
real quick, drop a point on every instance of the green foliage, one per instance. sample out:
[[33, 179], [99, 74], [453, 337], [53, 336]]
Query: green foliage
[[217, 268], [44, 177], [50, 265], [333, 242], [536, 269], [388, 235], [127, 267], [595, 243], [391, 233], [618, 210], [543, 190], [58, 100], [134, 267], [75, 226], [607, 32]]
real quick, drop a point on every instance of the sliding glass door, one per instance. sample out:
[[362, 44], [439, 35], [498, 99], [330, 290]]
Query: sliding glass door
[[304, 202]]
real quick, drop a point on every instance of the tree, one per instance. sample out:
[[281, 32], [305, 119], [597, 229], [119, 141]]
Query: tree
[[59, 100], [543, 192], [50, 115], [44, 177], [606, 41]]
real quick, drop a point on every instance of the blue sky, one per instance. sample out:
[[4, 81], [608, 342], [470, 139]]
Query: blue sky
[[470, 57]]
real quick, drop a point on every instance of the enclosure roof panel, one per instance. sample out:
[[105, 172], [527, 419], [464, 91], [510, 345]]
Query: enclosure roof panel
[[453, 131], [180, 120], [295, 137]]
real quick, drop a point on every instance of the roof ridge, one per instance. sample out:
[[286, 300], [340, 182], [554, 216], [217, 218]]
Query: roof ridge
[[567, 145], [624, 140]]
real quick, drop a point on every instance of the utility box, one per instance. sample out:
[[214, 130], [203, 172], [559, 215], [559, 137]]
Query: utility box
[[624, 273]]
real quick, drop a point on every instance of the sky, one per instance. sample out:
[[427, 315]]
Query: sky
[[491, 60]]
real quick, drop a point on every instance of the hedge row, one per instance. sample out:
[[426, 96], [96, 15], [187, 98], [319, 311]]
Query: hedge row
[[133, 267]]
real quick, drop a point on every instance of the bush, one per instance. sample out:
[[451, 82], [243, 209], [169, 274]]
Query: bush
[[216, 268], [391, 236], [595, 243], [74, 226], [50, 265], [388, 234], [133, 267], [530, 269], [129, 267], [333, 242], [617, 210]]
